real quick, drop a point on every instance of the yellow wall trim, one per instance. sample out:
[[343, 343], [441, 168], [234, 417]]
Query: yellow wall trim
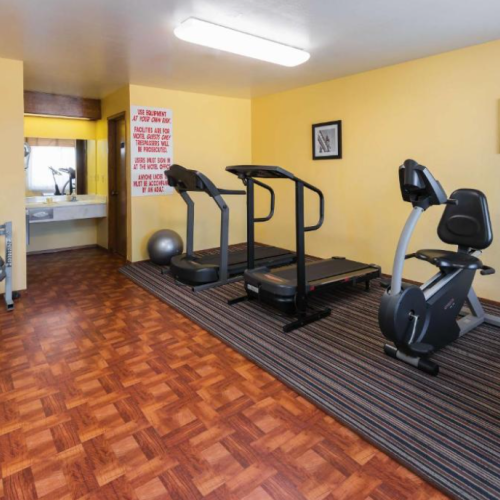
[[59, 128]]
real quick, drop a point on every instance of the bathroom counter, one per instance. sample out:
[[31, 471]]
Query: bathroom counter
[[60, 209], [61, 201]]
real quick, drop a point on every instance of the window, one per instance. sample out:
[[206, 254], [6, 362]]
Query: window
[[47, 158]]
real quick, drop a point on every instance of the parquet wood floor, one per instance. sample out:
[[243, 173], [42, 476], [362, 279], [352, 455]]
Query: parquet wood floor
[[108, 393]]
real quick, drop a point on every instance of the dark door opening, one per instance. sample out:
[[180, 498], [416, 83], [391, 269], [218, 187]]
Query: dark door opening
[[117, 175]]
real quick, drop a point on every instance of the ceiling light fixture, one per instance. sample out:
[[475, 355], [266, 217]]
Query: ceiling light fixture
[[217, 37]]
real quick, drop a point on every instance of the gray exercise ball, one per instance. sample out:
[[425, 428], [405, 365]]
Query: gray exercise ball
[[163, 245]]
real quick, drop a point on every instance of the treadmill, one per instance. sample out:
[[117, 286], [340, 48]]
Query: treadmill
[[201, 272], [289, 288]]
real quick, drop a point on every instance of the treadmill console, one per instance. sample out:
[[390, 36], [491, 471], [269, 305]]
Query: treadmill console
[[184, 179], [260, 171], [419, 187]]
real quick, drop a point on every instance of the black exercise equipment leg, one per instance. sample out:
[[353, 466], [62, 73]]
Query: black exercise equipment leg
[[306, 318], [250, 224], [301, 297], [423, 364], [238, 300]]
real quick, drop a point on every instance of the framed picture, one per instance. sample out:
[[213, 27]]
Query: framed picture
[[327, 140]]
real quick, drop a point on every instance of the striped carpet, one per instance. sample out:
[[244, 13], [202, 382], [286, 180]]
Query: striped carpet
[[446, 429]]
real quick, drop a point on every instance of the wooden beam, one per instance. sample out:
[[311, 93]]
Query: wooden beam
[[40, 103]]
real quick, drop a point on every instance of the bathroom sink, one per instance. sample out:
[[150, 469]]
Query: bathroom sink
[[47, 201], [59, 208]]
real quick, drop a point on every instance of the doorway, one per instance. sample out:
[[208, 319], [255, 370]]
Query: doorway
[[117, 175]]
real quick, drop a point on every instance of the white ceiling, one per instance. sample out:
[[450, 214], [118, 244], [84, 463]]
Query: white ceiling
[[92, 47]]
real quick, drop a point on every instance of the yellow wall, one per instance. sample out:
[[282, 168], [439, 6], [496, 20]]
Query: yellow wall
[[12, 164], [63, 234], [209, 133], [113, 104], [67, 234], [91, 165], [442, 111], [59, 128]]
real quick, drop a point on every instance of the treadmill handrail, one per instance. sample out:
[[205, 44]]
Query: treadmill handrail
[[252, 171], [231, 191], [273, 202], [321, 207]]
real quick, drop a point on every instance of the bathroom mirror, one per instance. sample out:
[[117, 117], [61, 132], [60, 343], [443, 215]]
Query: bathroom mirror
[[60, 166]]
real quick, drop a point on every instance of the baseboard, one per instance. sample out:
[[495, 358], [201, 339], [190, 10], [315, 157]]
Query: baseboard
[[66, 249]]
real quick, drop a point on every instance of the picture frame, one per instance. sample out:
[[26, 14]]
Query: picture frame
[[327, 140]]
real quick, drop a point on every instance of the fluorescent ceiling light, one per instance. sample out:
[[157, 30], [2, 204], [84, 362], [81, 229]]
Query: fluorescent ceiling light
[[217, 37]]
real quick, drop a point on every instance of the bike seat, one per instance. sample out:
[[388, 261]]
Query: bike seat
[[449, 259]]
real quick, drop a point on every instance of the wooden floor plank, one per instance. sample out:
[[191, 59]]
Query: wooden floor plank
[[106, 392]]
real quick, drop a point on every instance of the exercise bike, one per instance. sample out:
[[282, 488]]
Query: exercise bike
[[421, 320]]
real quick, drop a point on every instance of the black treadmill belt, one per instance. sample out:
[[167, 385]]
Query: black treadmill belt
[[239, 257], [322, 269]]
